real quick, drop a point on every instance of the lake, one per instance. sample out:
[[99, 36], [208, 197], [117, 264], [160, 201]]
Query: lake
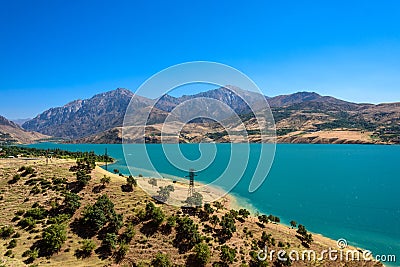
[[340, 191]]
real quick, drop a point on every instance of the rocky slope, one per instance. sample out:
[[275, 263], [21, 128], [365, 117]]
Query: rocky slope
[[11, 133], [303, 117]]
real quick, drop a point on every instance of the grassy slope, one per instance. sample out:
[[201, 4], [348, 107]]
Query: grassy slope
[[143, 247]]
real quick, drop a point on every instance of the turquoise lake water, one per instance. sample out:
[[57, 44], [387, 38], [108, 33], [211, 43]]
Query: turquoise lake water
[[340, 191]]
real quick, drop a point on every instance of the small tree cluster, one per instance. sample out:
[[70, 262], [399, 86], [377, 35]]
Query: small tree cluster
[[164, 193], [228, 226], [52, 238], [96, 216], [305, 236], [155, 214], [187, 235]]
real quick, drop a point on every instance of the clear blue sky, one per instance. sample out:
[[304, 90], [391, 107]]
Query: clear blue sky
[[52, 52]]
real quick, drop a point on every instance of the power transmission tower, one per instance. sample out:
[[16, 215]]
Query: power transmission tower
[[106, 158], [191, 182]]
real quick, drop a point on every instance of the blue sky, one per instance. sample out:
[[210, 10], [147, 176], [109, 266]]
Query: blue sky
[[52, 52]]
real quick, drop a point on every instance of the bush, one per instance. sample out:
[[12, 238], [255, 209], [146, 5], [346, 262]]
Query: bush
[[227, 254], [31, 254], [20, 212], [38, 213], [99, 214], [15, 179], [53, 238], [121, 252], [110, 241], [8, 253], [161, 260], [201, 254], [27, 222], [60, 218], [187, 235], [154, 213], [6, 232], [128, 235], [12, 244], [87, 248], [71, 202], [105, 180]]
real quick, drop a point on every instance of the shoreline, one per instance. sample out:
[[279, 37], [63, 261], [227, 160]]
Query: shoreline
[[234, 203], [229, 200]]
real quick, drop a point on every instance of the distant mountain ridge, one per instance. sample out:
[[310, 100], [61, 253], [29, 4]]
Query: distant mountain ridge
[[83, 117], [11, 133], [297, 116]]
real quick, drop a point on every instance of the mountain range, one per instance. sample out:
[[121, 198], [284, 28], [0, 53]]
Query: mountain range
[[11, 132], [303, 117]]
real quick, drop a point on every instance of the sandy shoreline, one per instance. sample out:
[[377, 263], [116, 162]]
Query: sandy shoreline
[[211, 194]]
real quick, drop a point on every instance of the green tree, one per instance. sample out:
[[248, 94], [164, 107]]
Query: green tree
[[263, 219], [208, 209], [196, 200], [228, 226], [121, 252], [110, 241], [86, 248], [227, 255], [187, 235], [218, 205], [83, 177], [155, 214], [293, 224], [6, 232], [105, 180], [71, 202], [164, 193], [161, 260], [97, 215], [127, 236], [201, 254], [244, 213], [53, 238], [130, 181], [214, 220]]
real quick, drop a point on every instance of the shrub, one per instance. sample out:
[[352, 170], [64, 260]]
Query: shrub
[[121, 252], [8, 253], [227, 254], [161, 260], [128, 235], [110, 241], [12, 244], [87, 247], [99, 214], [38, 213], [71, 202], [60, 218], [201, 254], [6, 232], [27, 222], [53, 237]]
